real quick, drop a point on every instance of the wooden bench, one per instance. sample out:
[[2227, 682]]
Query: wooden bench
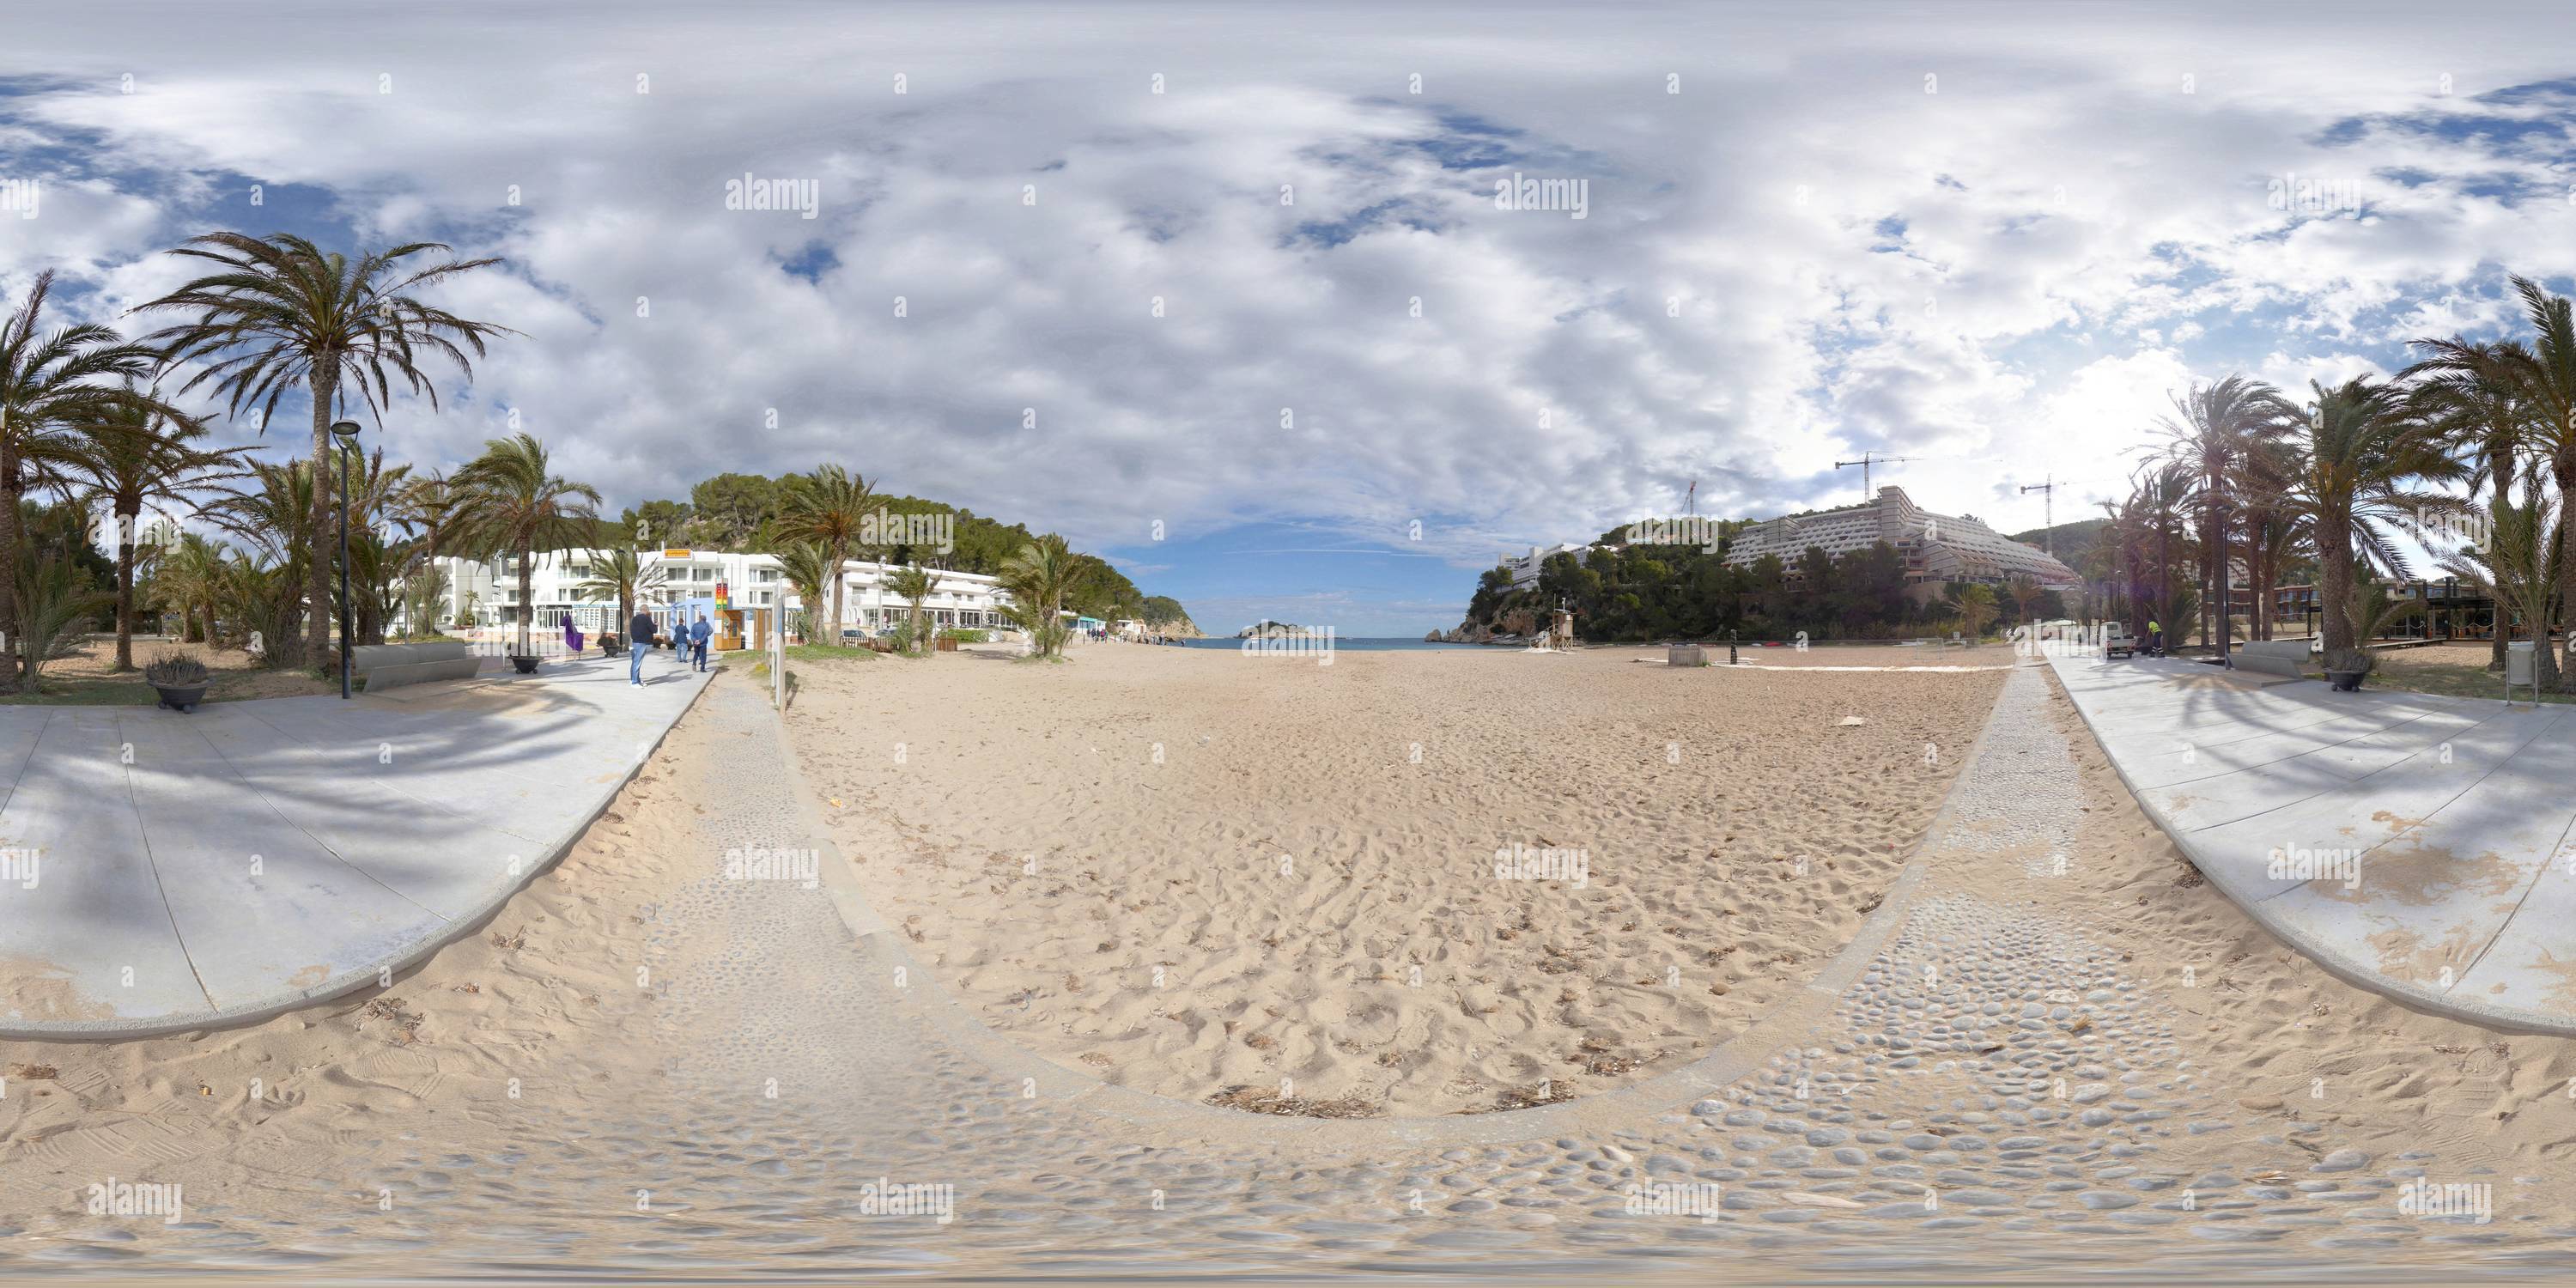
[[2273, 657], [390, 666]]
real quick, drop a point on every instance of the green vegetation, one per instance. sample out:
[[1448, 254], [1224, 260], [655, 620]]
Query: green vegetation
[[750, 512], [514, 502], [1044, 578], [1633, 593], [280, 314], [2314, 491], [914, 583], [82, 420]]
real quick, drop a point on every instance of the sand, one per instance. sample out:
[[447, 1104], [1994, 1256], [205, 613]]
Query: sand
[[2287, 1042], [1212, 876], [544, 996], [231, 673]]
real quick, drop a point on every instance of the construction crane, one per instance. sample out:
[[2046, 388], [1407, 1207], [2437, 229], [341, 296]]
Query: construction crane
[[1865, 461], [2048, 505]]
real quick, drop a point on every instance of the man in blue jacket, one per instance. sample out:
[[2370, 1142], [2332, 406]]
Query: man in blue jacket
[[639, 638], [698, 633]]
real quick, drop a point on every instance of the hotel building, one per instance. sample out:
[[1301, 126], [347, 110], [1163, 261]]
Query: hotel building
[[751, 581], [1937, 548]]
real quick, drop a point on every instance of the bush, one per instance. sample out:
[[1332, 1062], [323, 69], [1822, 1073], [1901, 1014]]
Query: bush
[[966, 635], [175, 671]]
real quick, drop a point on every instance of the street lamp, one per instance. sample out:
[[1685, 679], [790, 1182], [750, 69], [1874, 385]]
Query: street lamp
[[346, 431]]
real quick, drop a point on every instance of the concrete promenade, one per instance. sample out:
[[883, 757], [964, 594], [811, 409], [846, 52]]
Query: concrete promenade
[[2414, 845], [167, 872]]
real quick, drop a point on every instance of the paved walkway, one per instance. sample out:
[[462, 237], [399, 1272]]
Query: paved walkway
[[2415, 845], [167, 871]]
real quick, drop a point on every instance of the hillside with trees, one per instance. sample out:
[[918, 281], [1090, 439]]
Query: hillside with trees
[[1636, 593]]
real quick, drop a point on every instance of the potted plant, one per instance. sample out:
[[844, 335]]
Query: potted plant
[[523, 664], [2373, 611], [2345, 668], [180, 681]]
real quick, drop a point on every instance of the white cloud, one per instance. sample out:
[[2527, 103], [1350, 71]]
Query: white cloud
[[2003, 278]]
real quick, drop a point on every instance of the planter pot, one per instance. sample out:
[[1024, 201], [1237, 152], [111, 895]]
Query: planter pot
[[524, 665], [180, 698], [2346, 681]]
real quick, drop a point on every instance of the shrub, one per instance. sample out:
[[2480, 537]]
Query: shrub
[[175, 671]]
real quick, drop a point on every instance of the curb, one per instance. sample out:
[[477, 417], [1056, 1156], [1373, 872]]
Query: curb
[[1782, 1028], [352, 981], [2421, 998]]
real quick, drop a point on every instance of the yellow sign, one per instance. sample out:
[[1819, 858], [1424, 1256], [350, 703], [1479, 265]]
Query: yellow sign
[[675, 554]]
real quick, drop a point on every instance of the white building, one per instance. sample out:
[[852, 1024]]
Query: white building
[[1525, 568], [1938, 548], [752, 581]]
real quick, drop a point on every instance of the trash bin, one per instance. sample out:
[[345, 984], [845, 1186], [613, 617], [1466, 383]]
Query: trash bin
[[2521, 670]]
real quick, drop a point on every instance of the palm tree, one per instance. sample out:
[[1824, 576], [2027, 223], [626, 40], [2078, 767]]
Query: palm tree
[[2163, 492], [2366, 443], [620, 575], [2542, 378], [264, 596], [2216, 434], [2480, 416], [143, 455], [189, 582], [424, 594], [54, 387], [280, 314], [2115, 559], [827, 507], [2516, 570], [2273, 533], [272, 516], [1975, 601], [914, 583], [427, 505], [807, 566], [52, 599], [513, 503], [2025, 591], [1041, 576]]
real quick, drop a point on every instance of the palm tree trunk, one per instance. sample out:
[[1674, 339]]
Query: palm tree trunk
[[2500, 478], [317, 572], [10, 555], [125, 590], [527, 610], [2563, 467], [839, 583], [2334, 569]]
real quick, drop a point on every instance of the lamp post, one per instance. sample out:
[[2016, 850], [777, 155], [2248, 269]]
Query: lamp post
[[346, 431]]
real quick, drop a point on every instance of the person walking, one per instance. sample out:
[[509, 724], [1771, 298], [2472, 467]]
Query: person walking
[[639, 638], [2155, 638], [698, 633]]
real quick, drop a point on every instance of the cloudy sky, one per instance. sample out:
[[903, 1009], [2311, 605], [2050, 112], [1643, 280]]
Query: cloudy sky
[[1224, 291]]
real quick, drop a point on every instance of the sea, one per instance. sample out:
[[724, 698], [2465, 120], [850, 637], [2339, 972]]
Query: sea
[[1354, 644]]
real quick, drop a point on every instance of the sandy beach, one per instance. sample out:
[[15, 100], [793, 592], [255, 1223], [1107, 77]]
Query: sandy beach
[[1273, 883], [532, 1037], [232, 675]]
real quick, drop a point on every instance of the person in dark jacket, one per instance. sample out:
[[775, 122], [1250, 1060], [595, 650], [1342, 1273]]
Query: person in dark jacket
[[698, 633], [639, 636]]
